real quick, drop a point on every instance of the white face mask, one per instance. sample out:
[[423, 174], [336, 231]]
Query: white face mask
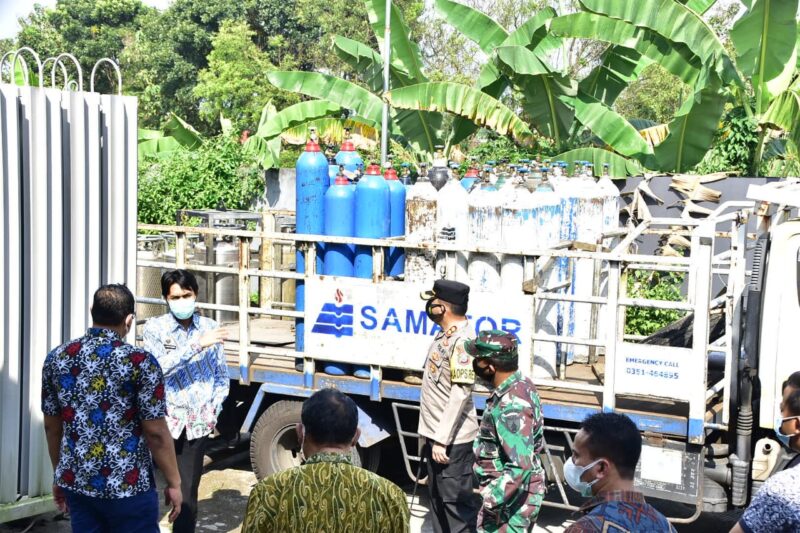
[[573, 473]]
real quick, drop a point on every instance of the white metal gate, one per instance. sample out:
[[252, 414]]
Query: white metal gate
[[67, 225]]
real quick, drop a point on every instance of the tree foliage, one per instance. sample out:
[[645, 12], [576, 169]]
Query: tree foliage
[[234, 85], [218, 171]]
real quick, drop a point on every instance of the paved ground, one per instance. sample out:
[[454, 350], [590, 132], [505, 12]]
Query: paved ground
[[227, 482]]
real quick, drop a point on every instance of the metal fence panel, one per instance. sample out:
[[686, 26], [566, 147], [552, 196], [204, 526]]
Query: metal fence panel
[[67, 225]]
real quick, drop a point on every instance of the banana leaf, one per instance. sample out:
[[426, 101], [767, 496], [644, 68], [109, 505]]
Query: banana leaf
[[405, 54], [331, 131], [158, 147], [674, 57], [533, 35], [475, 26], [294, 115], [265, 150], [620, 66], [699, 6], [766, 46], [691, 132], [674, 22], [546, 96], [182, 131], [784, 114], [618, 166], [610, 127], [365, 61], [347, 95], [464, 101]]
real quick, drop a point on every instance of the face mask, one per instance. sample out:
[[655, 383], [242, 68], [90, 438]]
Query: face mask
[[573, 473], [435, 317], [481, 372], [183, 308], [782, 437]]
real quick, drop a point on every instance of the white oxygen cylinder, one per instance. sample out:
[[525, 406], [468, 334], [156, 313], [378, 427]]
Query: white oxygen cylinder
[[452, 225], [518, 231], [420, 227], [485, 229]]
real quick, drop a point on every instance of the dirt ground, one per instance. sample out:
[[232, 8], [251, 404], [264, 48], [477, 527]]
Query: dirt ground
[[228, 479]]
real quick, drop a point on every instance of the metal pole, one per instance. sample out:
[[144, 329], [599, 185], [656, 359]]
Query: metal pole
[[387, 47]]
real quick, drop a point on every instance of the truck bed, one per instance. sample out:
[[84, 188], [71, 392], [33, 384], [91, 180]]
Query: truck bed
[[276, 373]]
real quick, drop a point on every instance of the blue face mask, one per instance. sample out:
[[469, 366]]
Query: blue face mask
[[573, 473], [782, 437], [183, 308]]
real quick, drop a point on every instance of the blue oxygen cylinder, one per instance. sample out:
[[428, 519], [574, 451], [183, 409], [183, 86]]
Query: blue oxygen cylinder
[[348, 157], [340, 222], [372, 216], [396, 257], [311, 182], [333, 169]]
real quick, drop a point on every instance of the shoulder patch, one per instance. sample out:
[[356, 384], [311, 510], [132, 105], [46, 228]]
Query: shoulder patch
[[461, 370]]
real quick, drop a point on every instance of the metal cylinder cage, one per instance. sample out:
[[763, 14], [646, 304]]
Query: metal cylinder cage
[[67, 226]]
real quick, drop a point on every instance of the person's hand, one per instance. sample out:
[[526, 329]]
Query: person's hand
[[60, 499], [212, 337], [173, 497], [439, 453]]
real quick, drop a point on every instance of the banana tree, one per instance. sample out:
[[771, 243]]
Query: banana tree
[[418, 130]]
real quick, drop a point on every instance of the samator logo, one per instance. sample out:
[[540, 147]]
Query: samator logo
[[335, 319]]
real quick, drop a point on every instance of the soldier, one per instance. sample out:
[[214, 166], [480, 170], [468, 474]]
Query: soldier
[[507, 463], [447, 421]]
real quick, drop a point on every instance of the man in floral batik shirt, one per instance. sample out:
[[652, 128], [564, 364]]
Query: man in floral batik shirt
[[103, 405], [189, 349]]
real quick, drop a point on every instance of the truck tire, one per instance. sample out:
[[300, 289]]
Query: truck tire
[[274, 446]]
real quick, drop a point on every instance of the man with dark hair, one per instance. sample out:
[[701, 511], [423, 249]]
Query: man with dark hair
[[327, 493], [189, 349], [510, 475], [791, 384], [447, 419], [103, 404], [603, 463], [776, 505]]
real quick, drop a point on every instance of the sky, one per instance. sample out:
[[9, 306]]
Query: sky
[[11, 10]]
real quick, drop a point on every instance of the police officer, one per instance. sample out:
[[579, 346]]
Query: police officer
[[507, 465], [447, 422]]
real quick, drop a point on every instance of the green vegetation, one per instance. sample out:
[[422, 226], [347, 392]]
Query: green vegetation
[[217, 173], [654, 286]]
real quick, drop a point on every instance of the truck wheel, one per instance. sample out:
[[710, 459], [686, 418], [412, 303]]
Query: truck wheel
[[273, 444]]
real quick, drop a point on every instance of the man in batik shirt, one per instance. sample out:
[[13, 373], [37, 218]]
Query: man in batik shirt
[[189, 349], [507, 463], [327, 493], [103, 404]]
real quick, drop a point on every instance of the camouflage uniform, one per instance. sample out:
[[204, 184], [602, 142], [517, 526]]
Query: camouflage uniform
[[506, 451]]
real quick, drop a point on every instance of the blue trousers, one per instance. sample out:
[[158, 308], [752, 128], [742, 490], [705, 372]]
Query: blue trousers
[[136, 514]]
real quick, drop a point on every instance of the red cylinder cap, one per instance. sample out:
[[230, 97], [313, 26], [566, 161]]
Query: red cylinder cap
[[311, 146], [347, 146], [341, 180], [471, 173], [373, 170], [390, 174]]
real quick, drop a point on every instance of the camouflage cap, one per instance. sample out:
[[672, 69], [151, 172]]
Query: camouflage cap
[[493, 343]]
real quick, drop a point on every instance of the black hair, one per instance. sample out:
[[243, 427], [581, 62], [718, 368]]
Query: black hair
[[503, 364], [183, 278], [792, 403], [458, 309], [616, 438], [112, 304], [792, 381], [330, 417]]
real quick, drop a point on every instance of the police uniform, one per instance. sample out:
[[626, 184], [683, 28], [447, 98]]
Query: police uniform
[[447, 417], [507, 465]]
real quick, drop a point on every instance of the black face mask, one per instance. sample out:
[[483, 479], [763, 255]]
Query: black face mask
[[435, 317], [482, 372]]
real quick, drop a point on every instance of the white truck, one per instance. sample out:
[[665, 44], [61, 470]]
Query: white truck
[[704, 391]]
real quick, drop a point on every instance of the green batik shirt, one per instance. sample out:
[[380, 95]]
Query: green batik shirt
[[327, 494], [507, 463]]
